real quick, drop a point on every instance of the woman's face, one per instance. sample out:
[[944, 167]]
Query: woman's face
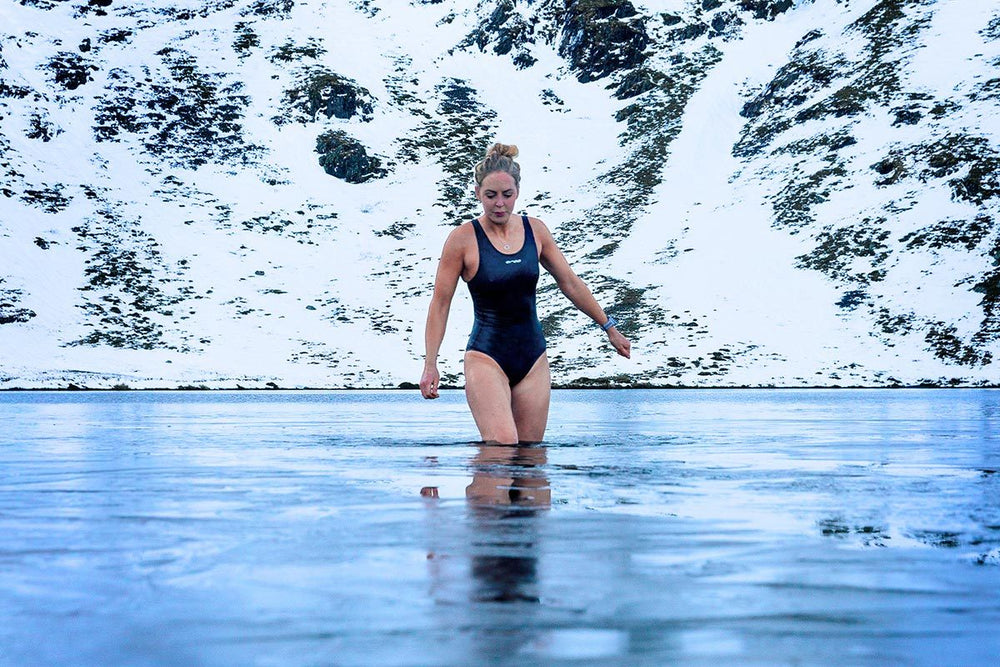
[[498, 194]]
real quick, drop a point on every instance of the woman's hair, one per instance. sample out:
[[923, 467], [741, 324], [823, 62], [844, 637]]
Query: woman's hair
[[500, 157]]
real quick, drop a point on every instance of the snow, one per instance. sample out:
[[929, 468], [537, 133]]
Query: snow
[[706, 247]]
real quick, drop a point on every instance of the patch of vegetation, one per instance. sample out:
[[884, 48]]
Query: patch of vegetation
[[70, 70], [186, 117], [888, 26], [283, 224], [462, 127], [992, 30], [130, 291], [397, 230], [48, 198], [245, 40], [839, 249], [851, 299], [652, 123], [895, 323], [966, 233], [989, 287], [269, 8], [40, 127], [793, 84], [290, 52], [11, 310], [971, 161], [793, 204], [944, 341], [319, 91]]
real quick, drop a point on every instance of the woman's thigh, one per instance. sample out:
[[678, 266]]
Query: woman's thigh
[[530, 402], [488, 393]]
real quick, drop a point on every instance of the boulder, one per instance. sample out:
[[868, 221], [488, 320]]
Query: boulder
[[346, 158]]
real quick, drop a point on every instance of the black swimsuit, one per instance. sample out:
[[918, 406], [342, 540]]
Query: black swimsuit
[[506, 327]]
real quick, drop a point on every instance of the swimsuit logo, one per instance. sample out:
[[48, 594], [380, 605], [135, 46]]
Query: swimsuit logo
[[513, 261]]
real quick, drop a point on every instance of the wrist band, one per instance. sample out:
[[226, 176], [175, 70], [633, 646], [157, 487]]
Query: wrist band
[[612, 322]]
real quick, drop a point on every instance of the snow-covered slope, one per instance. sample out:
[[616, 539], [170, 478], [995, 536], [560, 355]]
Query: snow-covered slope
[[254, 192]]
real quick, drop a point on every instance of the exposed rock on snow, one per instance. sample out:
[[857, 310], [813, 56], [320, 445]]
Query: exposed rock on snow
[[764, 192]]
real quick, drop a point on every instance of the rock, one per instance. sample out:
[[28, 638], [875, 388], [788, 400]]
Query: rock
[[726, 24], [597, 39], [688, 32], [330, 94], [766, 9], [71, 70], [346, 158], [508, 31], [639, 81]]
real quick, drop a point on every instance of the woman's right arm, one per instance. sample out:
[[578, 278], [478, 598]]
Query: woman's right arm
[[449, 269]]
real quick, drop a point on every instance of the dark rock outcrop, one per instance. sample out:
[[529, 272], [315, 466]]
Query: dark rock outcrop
[[600, 37], [71, 70], [507, 31], [766, 9], [346, 158], [321, 92]]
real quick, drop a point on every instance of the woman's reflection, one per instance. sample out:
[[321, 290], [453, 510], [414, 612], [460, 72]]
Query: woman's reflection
[[508, 491]]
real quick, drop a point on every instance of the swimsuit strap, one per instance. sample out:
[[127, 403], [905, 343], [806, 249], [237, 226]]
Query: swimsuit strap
[[482, 239]]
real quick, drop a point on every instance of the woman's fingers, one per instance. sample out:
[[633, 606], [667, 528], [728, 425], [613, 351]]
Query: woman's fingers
[[621, 344], [429, 382]]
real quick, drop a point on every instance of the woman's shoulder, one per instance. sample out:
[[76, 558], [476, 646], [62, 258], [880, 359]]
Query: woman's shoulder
[[462, 234], [538, 227]]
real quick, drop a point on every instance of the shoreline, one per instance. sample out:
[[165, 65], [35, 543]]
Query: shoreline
[[73, 388]]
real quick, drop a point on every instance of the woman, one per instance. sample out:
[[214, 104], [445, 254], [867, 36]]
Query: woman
[[507, 382]]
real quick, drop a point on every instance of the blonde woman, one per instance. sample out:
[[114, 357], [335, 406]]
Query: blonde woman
[[498, 254]]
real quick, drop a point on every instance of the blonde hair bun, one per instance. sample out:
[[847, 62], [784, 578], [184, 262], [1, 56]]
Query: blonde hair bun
[[502, 150], [500, 157]]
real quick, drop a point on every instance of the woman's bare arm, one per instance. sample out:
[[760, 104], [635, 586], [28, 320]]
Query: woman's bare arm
[[574, 288], [448, 271]]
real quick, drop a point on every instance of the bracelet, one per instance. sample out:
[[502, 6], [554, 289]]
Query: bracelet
[[612, 322]]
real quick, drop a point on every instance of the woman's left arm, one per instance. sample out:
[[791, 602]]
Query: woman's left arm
[[573, 286]]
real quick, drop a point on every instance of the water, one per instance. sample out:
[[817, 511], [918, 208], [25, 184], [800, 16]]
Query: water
[[361, 528]]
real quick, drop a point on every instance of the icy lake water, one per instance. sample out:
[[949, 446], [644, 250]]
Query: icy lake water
[[364, 528]]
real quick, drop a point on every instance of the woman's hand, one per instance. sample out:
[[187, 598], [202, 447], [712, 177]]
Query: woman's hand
[[620, 342], [430, 381]]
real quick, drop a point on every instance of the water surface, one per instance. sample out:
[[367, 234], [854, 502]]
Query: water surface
[[359, 528]]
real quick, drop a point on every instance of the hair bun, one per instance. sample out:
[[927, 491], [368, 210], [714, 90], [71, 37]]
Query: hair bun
[[502, 150]]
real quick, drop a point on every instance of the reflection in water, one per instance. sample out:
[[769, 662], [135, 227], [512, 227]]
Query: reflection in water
[[508, 491]]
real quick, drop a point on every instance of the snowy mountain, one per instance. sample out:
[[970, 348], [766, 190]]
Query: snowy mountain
[[254, 193]]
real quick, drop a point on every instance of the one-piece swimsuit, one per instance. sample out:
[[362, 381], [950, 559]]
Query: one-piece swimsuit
[[506, 326]]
